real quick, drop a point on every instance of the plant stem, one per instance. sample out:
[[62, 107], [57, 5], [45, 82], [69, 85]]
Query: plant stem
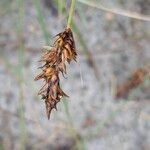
[[71, 13]]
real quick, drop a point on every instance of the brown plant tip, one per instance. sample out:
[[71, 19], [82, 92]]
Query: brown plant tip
[[54, 61], [136, 78]]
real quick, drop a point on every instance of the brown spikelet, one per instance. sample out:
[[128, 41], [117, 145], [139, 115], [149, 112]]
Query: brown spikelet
[[136, 78], [54, 61]]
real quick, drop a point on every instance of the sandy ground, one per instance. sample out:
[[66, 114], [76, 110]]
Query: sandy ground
[[119, 46]]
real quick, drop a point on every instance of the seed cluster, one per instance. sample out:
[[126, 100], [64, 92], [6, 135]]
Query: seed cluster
[[54, 62], [135, 80]]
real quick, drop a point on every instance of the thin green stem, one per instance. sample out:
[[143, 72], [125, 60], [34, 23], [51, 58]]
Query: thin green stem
[[71, 13]]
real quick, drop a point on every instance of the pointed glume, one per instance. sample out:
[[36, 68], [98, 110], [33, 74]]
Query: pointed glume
[[54, 61]]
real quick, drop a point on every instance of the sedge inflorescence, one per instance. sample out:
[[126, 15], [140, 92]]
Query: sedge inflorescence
[[54, 61]]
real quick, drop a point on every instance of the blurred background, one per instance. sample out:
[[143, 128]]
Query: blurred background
[[109, 86]]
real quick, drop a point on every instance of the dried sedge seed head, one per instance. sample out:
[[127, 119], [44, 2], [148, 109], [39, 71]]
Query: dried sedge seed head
[[54, 61], [135, 79]]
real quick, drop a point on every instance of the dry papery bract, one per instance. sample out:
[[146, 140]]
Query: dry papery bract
[[135, 80], [54, 61]]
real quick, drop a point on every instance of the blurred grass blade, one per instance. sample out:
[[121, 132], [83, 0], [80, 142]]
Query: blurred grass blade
[[85, 49], [60, 7], [135, 15], [41, 20], [19, 31], [81, 14], [65, 102], [80, 145]]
